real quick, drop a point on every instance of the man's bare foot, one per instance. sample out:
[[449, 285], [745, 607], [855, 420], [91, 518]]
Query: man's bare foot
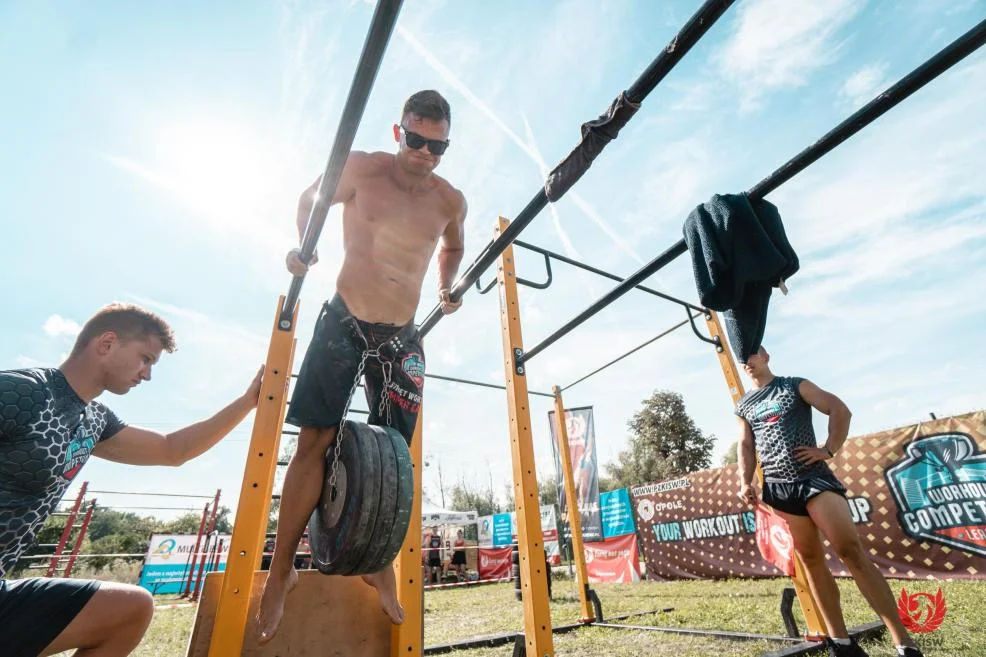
[[276, 589], [386, 587]]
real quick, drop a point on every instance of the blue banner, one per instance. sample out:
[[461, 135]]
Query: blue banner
[[171, 578], [502, 530], [617, 514]]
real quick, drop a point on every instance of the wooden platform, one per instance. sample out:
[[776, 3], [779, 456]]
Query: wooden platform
[[324, 617]]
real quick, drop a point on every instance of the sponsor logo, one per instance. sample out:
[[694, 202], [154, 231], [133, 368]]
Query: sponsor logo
[[165, 548], [940, 490], [77, 453], [921, 612], [414, 366], [769, 411], [661, 487]]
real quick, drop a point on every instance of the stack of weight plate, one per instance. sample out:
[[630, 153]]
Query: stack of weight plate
[[359, 527]]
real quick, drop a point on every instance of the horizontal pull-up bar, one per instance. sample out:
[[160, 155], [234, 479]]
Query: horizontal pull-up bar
[[689, 35], [922, 75], [605, 274], [381, 27], [632, 351], [483, 384]]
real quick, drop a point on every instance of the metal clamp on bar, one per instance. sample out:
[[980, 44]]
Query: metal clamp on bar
[[712, 341]]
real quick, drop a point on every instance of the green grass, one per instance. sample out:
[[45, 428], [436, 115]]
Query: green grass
[[738, 605]]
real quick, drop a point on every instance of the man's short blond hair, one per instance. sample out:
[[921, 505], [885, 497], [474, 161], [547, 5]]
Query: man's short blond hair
[[129, 322]]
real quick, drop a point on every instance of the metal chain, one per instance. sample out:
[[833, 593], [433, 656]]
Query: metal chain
[[383, 409], [342, 423]]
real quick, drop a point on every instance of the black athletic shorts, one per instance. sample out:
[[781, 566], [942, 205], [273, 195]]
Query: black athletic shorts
[[393, 379], [33, 612], [459, 558], [792, 497]]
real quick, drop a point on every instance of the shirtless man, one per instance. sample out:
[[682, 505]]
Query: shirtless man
[[50, 424], [775, 422], [395, 212]]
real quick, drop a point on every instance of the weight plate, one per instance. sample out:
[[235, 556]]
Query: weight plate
[[377, 548], [339, 529]]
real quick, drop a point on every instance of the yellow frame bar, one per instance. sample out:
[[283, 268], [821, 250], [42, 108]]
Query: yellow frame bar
[[813, 620], [574, 513], [407, 639], [537, 614], [250, 527]]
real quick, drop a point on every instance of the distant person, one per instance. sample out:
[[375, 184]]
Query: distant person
[[459, 555], [776, 426], [50, 424], [435, 556]]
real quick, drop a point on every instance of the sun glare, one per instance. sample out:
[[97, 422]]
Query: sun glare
[[222, 171]]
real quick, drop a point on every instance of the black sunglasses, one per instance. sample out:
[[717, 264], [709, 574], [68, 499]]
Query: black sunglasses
[[415, 141]]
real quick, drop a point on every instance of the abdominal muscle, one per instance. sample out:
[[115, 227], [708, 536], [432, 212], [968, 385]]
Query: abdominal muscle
[[384, 266]]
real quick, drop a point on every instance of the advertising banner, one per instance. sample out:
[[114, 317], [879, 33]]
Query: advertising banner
[[616, 513], [582, 449], [495, 563], [917, 495], [613, 560], [169, 559]]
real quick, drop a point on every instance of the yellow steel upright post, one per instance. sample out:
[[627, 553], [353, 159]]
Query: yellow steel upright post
[[533, 573], [407, 639], [572, 505], [813, 620], [250, 527]]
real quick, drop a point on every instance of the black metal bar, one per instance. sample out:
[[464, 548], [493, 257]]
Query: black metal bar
[[869, 630], [377, 37], [539, 286], [496, 640], [483, 385], [935, 66], [947, 57], [689, 35], [694, 29], [605, 274], [691, 319], [628, 284], [787, 612], [629, 353], [719, 634]]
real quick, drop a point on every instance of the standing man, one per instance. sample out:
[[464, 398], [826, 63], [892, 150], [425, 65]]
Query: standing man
[[775, 421], [49, 427], [396, 211]]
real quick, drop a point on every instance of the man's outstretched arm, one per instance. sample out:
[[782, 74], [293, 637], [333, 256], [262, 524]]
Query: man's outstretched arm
[[136, 446]]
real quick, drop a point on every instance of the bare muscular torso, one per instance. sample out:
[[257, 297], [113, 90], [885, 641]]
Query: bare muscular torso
[[389, 238]]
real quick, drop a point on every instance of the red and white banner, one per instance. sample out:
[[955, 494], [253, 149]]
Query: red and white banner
[[495, 563], [774, 540], [616, 560]]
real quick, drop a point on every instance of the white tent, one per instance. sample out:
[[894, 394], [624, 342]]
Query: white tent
[[433, 515]]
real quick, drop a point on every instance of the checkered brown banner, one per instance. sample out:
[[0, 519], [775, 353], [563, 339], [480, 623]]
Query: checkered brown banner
[[916, 493]]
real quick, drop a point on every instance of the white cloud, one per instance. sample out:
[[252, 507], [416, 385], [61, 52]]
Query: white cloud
[[57, 326], [27, 361], [863, 85], [779, 43]]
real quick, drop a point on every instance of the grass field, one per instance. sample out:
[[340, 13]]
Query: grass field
[[738, 605]]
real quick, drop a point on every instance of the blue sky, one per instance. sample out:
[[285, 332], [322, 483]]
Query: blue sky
[[154, 154]]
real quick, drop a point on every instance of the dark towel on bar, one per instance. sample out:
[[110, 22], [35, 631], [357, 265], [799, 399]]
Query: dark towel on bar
[[739, 252]]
